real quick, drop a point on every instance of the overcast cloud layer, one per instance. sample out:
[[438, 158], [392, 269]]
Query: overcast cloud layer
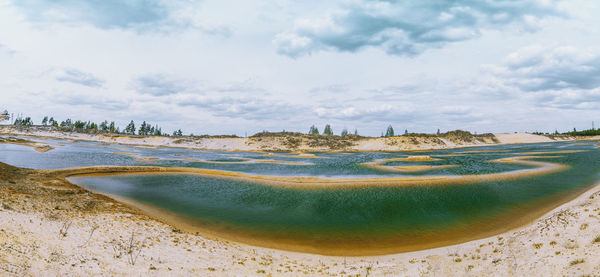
[[207, 67]]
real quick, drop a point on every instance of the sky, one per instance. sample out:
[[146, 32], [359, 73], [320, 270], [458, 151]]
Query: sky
[[240, 67]]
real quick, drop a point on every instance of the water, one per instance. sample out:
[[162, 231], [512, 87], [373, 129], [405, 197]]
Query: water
[[365, 220]]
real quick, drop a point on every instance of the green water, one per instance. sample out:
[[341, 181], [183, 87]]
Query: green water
[[333, 220]]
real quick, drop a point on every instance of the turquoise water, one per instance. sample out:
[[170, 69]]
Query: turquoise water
[[337, 220]]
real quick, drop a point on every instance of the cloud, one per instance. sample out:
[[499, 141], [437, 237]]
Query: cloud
[[562, 77], [408, 28], [138, 15], [330, 89], [79, 77], [569, 99], [383, 112], [536, 68], [253, 108], [105, 14], [7, 50], [159, 85], [101, 103]]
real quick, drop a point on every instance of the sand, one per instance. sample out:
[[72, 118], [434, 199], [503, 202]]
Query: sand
[[283, 144], [40, 147], [50, 228], [310, 182]]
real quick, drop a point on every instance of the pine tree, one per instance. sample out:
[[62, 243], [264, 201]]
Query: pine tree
[[142, 131], [104, 126], [130, 129], [327, 131], [438, 132], [389, 132], [344, 132], [45, 121], [313, 130], [406, 131], [111, 127]]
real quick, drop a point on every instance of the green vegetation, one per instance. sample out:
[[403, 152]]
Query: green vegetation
[[313, 130], [579, 261], [130, 129], [344, 132], [327, 131], [20, 121], [589, 132], [389, 132], [79, 126]]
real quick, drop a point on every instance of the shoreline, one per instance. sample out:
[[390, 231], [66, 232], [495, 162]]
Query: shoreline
[[270, 144], [312, 182], [503, 224], [36, 208]]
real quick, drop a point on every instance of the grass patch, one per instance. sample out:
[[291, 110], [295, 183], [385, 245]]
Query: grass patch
[[576, 262]]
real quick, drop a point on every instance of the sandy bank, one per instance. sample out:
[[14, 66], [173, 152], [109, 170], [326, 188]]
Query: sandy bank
[[294, 144], [51, 227], [40, 147], [310, 182]]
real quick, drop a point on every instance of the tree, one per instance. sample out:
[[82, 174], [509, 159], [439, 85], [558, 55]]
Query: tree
[[406, 131], [45, 121], [344, 132], [327, 131], [356, 132], [79, 124], [104, 126], [157, 131], [19, 121], [389, 132], [143, 129], [111, 127], [52, 122], [177, 133], [438, 132], [67, 124], [313, 130], [130, 129]]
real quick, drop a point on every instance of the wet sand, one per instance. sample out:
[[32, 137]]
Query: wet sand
[[309, 182]]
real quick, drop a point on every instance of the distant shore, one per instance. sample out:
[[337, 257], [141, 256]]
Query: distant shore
[[296, 143]]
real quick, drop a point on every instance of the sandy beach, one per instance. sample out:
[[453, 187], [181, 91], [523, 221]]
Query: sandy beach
[[51, 227]]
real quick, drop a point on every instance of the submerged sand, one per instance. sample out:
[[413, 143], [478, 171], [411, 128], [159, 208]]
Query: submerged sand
[[309, 182]]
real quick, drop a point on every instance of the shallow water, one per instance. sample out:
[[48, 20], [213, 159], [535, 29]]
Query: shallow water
[[366, 220]]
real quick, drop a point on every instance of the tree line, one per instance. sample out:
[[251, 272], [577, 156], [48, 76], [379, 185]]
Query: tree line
[[145, 129]]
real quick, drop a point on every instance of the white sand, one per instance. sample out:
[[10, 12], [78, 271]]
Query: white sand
[[269, 144], [560, 243]]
